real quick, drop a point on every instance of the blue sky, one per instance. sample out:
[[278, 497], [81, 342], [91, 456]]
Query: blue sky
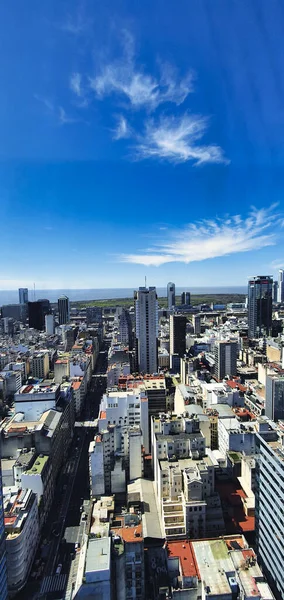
[[141, 138]]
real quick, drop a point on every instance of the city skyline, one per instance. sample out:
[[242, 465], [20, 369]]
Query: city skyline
[[157, 142]]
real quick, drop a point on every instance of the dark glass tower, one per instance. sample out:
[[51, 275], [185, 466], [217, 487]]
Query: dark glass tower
[[63, 310], [259, 306]]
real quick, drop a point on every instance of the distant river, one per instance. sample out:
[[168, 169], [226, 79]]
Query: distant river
[[12, 297]]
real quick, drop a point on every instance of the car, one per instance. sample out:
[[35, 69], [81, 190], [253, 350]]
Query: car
[[77, 546], [58, 570]]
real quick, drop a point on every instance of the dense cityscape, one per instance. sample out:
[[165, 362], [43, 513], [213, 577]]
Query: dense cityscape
[[142, 447]]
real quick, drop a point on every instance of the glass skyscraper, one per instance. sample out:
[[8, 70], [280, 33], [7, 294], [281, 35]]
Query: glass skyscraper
[[63, 310], [259, 306]]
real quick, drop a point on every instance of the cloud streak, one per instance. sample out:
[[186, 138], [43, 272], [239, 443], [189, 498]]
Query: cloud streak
[[141, 89], [211, 239], [176, 139], [122, 129]]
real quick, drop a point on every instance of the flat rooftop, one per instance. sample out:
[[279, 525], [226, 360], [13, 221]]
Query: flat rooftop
[[214, 562], [38, 465], [98, 555], [183, 550]]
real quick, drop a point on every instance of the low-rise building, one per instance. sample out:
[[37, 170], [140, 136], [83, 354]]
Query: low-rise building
[[34, 400], [39, 479]]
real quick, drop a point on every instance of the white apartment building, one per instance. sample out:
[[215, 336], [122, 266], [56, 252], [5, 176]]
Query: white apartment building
[[33, 400], [129, 408], [39, 364], [115, 458], [146, 329], [235, 436], [22, 534], [10, 383], [49, 324]]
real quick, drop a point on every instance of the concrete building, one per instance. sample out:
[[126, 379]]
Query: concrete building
[[22, 535], [234, 436], [61, 369], [97, 579], [10, 383], [269, 499], [128, 548], [39, 478], [274, 397], [40, 364], [146, 329], [171, 295], [49, 324], [34, 400], [225, 353], [125, 408], [3, 565], [196, 322], [259, 306], [63, 310], [177, 335], [280, 291]]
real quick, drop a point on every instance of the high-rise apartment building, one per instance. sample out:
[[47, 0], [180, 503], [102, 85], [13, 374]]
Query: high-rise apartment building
[[259, 306], [3, 566], [49, 324], [178, 335], [171, 294], [185, 298], [275, 291], [23, 295], [63, 310], [37, 311], [146, 329], [269, 501], [225, 359], [280, 295]]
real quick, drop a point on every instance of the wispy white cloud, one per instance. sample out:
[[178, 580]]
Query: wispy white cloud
[[122, 129], [76, 24], [211, 239], [76, 84], [141, 89], [57, 112], [177, 140], [277, 264]]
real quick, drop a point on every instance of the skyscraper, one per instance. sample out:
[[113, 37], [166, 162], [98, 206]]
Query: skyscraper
[[63, 310], [280, 295], [146, 329], [3, 570], [274, 397], [178, 335], [171, 293], [37, 311], [23, 295], [269, 501], [225, 359], [185, 298], [259, 306]]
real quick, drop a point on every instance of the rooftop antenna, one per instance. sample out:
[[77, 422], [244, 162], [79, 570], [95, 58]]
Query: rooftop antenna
[[34, 293], [145, 281]]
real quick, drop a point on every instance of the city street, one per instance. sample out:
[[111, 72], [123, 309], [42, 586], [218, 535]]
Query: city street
[[72, 490]]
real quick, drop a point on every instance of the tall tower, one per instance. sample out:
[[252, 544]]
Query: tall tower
[[63, 310], [23, 295], [259, 306], [280, 295], [225, 359], [171, 293], [146, 329], [3, 568], [178, 335]]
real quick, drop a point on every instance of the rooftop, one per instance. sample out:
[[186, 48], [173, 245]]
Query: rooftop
[[98, 555], [38, 465], [183, 550]]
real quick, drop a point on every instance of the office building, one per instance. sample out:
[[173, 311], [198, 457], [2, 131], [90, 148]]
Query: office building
[[40, 364], [225, 359], [275, 291], [171, 294], [274, 397], [23, 295], [185, 298], [3, 566], [49, 324], [63, 310], [18, 312], [178, 335], [36, 312], [196, 322], [94, 314], [146, 329], [280, 295], [259, 306], [269, 500]]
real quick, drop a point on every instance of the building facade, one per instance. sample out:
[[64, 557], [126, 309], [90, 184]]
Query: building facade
[[274, 397], [171, 294], [225, 359], [185, 298], [63, 310], [259, 306], [178, 335], [3, 566], [23, 295], [146, 329], [280, 291]]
